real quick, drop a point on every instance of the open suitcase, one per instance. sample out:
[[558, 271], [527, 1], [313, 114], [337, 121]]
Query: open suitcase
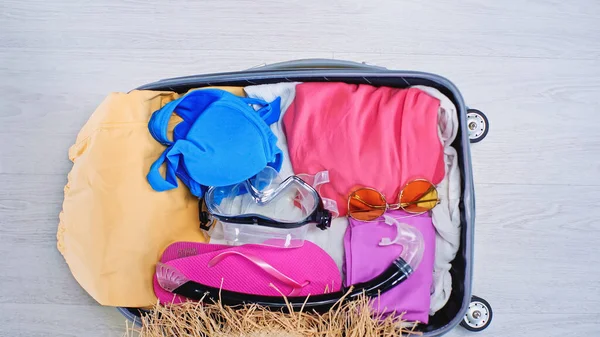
[[471, 312]]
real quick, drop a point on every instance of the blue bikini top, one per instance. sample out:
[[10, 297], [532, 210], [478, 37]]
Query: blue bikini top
[[221, 141]]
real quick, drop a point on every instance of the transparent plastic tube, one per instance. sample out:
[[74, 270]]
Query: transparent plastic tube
[[409, 238]]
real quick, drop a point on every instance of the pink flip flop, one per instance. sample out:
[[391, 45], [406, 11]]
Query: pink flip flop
[[252, 268], [180, 250]]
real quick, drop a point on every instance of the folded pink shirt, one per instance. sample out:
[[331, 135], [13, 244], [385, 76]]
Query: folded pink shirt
[[364, 136]]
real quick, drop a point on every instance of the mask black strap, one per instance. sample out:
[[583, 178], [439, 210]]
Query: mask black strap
[[204, 217]]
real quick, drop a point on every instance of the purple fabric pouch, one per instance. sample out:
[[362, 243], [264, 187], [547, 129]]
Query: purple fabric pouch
[[365, 259]]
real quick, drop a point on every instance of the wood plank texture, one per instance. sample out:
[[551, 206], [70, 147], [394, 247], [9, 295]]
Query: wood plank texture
[[533, 67]]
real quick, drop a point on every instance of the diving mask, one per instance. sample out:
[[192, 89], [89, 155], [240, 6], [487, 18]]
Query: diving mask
[[267, 210]]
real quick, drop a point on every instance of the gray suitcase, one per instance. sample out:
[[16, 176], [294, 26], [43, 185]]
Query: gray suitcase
[[471, 312]]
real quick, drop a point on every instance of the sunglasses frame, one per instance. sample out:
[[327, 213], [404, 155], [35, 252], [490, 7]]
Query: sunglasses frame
[[395, 206]]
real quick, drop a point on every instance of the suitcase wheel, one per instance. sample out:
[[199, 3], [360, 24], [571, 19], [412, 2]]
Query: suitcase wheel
[[478, 316], [478, 125], [133, 315]]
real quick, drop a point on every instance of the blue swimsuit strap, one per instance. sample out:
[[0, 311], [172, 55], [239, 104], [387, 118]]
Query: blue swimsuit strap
[[160, 120]]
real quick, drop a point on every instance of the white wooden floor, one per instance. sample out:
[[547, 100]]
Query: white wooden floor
[[532, 66]]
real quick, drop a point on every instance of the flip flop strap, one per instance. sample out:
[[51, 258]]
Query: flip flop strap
[[266, 267]]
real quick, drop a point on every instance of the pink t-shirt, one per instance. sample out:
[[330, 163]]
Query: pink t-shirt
[[365, 137]]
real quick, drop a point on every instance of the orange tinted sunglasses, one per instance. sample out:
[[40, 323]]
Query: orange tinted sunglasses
[[417, 196]]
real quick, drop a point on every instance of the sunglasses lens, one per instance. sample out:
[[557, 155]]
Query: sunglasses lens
[[418, 196], [366, 204]]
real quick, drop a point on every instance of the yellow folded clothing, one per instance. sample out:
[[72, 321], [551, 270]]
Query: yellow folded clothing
[[114, 226]]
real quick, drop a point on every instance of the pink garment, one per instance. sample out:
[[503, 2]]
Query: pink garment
[[365, 259], [364, 136], [235, 268]]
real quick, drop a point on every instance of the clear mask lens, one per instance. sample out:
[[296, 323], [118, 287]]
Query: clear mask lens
[[291, 200]]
